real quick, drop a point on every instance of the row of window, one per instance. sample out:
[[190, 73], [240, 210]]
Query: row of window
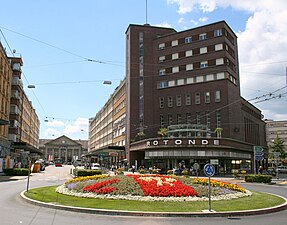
[[187, 98], [196, 51], [196, 79], [200, 118], [196, 65], [196, 37]]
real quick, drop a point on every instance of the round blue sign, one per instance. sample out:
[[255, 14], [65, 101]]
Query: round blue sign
[[209, 170]]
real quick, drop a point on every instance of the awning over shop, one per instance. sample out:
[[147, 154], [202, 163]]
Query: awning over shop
[[25, 146], [106, 151]]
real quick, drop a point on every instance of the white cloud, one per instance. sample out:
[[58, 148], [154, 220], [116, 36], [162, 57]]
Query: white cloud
[[54, 123], [80, 125], [262, 48], [51, 133], [181, 20], [203, 19], [163, 24]]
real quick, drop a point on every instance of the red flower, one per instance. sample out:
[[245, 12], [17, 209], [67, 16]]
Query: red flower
[[163, 186], [100, 187]]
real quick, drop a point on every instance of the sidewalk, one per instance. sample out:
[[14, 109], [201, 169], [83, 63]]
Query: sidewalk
[[4, 178]]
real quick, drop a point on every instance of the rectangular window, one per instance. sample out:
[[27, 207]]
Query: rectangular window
[[197, 98], [217, 33], [207, 97], [203, 64], [207, 117], [218, 119], [188, 40], [180, 82], [219, 61], [171, 83], [161, 59], [188, 118], [189, 80], [162, 84], [218, 47], [178, 100], [217, 96], [209, 77], [188, 53], [187, 99], [179, 119], [161, 102], [202, 36], [197, 118], [203, 50], [161, 120], [174, 43], [189, 67], [174, 56], [161, 46], [162, 72], [220, 76], [199, 79], [169, 101], [175, 69], [169, 116]]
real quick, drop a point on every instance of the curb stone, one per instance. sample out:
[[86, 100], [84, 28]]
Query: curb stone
[[157, 214]]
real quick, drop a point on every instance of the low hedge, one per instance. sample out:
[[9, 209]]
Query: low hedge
[[16, 172], [84, 173], [258, 178]]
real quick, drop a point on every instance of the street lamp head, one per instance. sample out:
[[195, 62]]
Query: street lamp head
[[31, 86]]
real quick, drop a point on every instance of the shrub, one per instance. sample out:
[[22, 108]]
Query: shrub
[[258, 178], [84, 173], [16, 172]]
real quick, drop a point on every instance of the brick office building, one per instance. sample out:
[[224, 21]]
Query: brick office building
[[188, 82]]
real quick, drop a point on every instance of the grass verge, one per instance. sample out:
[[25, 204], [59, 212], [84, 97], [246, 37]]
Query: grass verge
[[258, 199]]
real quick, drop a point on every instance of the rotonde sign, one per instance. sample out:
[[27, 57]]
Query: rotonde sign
[[182, 142]]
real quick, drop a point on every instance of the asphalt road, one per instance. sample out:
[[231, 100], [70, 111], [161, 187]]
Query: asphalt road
[[15, 211]]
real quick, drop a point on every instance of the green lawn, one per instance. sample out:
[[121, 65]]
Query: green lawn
[[259, 200]]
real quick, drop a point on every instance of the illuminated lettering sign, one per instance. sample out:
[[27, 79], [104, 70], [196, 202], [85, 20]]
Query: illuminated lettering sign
[[182, 142]]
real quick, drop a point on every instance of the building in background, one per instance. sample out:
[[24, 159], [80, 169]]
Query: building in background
[[66, 149], [188, 83], [107, 131], [276, 129], [24, 126], [5, 92]]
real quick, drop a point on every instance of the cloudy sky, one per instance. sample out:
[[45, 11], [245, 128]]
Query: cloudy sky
[[70, 47]]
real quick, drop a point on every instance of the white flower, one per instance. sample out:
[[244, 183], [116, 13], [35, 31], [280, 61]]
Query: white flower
[[63, 190]]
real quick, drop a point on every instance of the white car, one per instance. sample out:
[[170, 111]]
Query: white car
[[95, 166], [282, 169]]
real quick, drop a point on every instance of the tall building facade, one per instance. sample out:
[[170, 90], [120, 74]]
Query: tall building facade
[[24, 126], [276, 129], [5, 92], [107, 130], [188, 83]]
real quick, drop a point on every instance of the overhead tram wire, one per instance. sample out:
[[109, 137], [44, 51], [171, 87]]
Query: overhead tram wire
[[55, 47]]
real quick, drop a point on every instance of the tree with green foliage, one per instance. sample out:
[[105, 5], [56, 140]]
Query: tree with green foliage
[[218, 131], [278, 146], [162, 132]]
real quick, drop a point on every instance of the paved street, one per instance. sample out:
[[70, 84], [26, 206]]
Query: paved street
[[28, 214]]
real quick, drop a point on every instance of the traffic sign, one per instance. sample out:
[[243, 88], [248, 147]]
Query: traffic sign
[[258, 157], [258, 149], [209, 170]]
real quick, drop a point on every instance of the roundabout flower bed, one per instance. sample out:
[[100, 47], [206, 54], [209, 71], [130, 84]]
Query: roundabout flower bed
[[151, 187]]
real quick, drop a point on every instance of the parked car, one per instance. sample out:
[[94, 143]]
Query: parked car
[[95, 166], [281, 169], [58, 162]]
